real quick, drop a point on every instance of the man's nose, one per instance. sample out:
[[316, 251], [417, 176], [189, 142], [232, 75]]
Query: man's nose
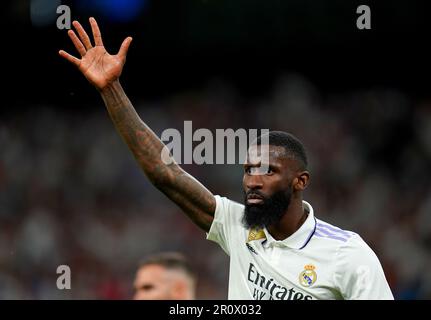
[[254, 182]]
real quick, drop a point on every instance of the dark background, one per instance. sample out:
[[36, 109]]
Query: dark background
[[71, 193], [182, 44]]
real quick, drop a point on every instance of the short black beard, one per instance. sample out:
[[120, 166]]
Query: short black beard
[[267, 213]]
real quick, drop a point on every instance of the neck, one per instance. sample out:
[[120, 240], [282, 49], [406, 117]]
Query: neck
[[291, 221]]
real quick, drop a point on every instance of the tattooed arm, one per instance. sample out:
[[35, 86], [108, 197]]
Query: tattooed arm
[[195, 200], [103, 71]]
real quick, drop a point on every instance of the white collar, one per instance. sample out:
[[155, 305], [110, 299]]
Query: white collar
[[297, 240]]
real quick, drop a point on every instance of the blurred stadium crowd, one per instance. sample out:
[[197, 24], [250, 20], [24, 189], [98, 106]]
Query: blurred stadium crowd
[[71, 192]]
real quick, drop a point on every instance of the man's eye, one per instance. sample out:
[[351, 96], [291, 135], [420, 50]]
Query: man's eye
[[258, 170]]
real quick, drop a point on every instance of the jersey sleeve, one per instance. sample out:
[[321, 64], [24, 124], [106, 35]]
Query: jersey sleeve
[[227, 221], [359, 274]]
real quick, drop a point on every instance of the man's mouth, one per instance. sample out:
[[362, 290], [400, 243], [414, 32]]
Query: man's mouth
[[254, 198]]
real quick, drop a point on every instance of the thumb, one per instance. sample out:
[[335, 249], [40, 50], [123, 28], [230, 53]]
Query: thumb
[[125, 47]]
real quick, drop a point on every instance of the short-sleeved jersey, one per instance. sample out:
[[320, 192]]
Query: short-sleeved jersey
[[318, 261]]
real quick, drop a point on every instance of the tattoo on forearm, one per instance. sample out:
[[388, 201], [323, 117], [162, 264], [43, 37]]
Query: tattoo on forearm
[[179, 186]]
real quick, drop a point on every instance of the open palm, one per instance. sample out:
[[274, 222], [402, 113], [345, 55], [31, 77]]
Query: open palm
[[96, 64]]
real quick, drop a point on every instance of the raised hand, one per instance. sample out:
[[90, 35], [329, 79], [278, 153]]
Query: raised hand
[[103, 71], [98, 66]]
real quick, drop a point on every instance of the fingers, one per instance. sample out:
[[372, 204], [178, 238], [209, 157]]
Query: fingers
[[78, 44], [70, 58], [125, 47], [96, 32], [82, 35]]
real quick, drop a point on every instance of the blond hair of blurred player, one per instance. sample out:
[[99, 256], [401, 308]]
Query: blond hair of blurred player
[[165, 276]]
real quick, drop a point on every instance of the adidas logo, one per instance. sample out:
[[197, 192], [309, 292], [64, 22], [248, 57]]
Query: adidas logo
[[251, 248]]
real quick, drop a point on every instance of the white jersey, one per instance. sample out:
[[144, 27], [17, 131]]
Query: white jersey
[[318, 261]]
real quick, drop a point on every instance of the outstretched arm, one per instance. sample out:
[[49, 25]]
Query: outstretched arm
[[103, 71]]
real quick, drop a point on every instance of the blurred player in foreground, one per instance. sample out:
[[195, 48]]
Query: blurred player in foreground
[[277, 248], [165, 276]]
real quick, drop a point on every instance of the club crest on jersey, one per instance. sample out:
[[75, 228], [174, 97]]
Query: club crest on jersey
[[256, 234], [308, 277]]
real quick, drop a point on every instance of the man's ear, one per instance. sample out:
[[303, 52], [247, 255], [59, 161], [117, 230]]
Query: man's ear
[[301, 181]]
